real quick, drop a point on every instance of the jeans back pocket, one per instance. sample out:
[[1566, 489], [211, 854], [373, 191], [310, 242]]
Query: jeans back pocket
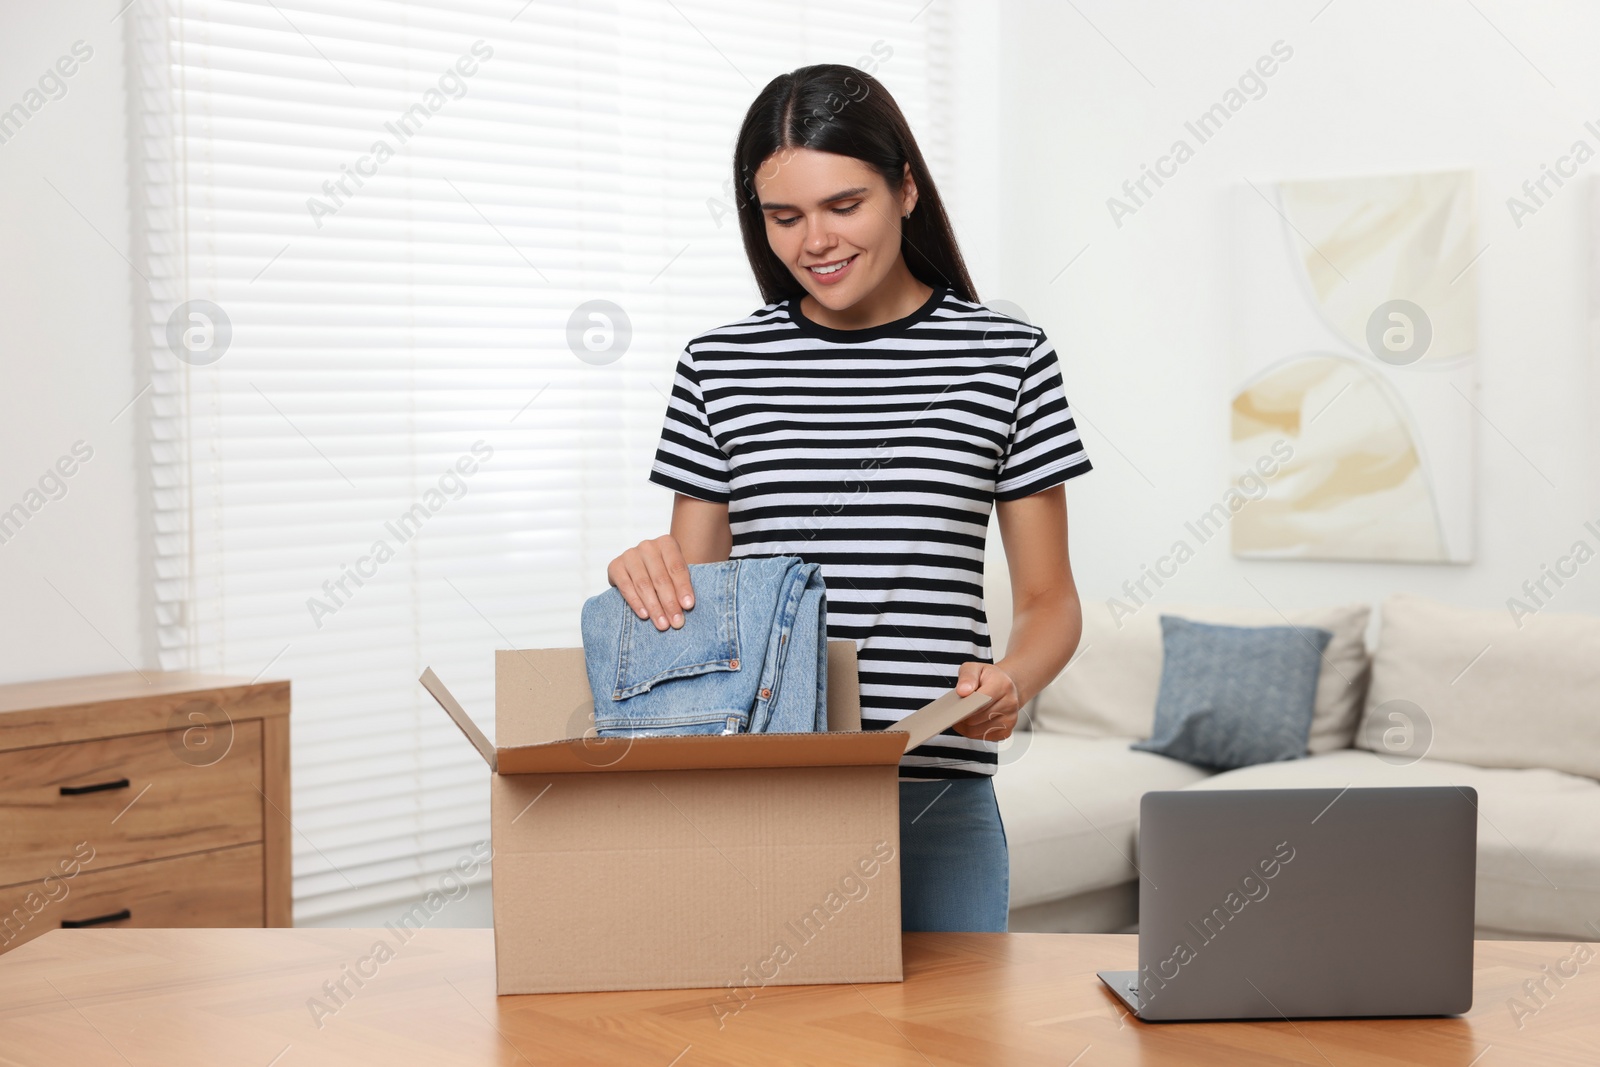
[[708, 641]]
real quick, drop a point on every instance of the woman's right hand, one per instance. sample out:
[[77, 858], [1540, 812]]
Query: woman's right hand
[[653, 578]]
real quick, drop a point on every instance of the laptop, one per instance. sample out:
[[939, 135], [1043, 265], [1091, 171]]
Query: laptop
[[1304, 903]]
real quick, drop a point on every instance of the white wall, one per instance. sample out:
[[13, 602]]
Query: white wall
[[977, 162], [66, 352], [1374, 86]]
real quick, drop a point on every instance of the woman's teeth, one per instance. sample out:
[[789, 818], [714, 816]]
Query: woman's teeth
[[830, 269]]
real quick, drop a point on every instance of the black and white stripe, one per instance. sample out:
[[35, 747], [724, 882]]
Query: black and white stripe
[[877, 453]]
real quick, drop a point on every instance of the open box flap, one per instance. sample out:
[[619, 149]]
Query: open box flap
[[844, 687], [453, 708], [932, 719]]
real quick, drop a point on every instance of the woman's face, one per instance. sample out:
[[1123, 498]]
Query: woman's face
[[822, 210]]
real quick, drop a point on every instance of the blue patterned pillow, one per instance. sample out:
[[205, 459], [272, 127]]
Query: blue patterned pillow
[[1232, 696]]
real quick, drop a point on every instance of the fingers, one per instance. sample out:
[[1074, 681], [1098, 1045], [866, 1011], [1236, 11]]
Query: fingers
[[984, 727], [622, 577], [635, 585], [970, 678], [654, 580], [996, 719], [656, 586], [679, 591]]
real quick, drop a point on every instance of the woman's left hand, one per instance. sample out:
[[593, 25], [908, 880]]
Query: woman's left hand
[[996, 719]]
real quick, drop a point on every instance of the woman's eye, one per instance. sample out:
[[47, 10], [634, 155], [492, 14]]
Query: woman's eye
[[796, 218]]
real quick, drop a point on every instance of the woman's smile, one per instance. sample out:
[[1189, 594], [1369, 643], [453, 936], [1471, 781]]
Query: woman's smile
[[831, 272]]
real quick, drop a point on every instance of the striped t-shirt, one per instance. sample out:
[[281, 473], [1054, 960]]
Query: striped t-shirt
[[878, 454]]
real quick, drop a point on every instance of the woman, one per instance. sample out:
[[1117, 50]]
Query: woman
[[866, 418]]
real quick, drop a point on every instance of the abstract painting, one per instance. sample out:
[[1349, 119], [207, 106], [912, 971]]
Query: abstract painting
[[1355, 341]]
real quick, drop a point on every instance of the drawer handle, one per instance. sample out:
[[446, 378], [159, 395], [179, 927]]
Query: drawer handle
[[114, 917], [98, 787]]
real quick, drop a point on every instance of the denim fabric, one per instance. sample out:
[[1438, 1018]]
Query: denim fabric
[[751, 656], [955, 870]]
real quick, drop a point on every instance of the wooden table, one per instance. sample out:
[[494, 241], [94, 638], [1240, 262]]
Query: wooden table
[[244, 997]]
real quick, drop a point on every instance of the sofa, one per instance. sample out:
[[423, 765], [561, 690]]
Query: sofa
[[1413, 693]]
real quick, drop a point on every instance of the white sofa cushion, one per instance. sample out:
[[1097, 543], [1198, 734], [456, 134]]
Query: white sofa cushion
[[1109, 689], [1069, 805], [1538, 870], [1496, 691]]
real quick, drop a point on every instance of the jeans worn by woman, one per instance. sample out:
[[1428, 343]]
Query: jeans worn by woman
[[955, 872], [751, 656]]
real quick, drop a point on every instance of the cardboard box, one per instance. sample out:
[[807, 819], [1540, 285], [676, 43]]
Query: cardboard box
[[694, 861]]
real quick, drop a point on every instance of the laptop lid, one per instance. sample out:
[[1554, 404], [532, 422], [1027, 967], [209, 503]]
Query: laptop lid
[[1303, 903]]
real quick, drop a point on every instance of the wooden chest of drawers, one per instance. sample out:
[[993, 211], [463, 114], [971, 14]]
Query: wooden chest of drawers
[[159, 799]]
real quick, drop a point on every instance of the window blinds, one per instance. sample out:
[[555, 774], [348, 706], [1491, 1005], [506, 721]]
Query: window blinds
[[379, 438]]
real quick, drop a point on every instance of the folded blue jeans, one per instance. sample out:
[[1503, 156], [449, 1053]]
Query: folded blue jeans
[[955, 870], [751, 656]]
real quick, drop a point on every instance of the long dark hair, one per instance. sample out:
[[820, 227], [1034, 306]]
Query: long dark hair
[[840, 109]]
